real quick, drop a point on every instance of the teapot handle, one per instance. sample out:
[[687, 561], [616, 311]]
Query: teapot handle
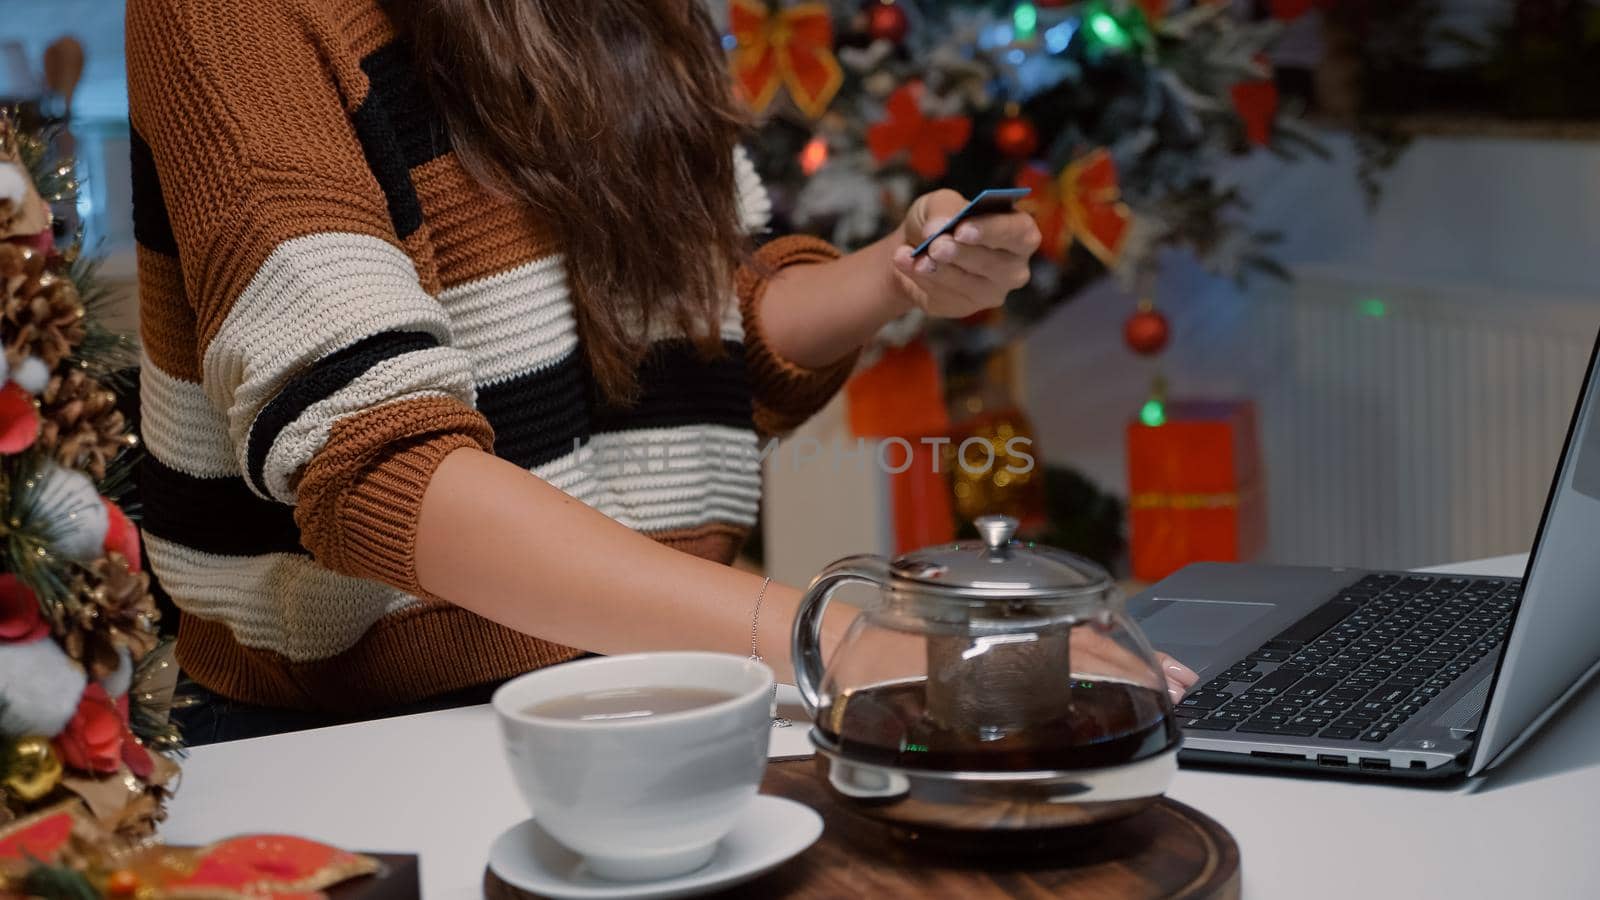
[[807, 647]]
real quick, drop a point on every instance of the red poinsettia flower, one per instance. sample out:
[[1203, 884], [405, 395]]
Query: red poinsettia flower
[[21, 618], [93, 739], [927, 142]]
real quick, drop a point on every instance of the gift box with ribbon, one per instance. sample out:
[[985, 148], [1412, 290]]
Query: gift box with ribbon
[[1196, 488]]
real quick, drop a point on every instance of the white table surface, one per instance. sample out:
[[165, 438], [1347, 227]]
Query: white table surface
[[436, 784]]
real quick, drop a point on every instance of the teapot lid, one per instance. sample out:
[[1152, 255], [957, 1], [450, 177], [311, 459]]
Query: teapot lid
[[1000, 567]]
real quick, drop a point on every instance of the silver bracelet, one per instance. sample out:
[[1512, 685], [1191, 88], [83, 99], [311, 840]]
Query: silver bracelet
[[755, 629]]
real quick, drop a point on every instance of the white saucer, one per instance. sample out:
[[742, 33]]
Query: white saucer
[[771, 831]]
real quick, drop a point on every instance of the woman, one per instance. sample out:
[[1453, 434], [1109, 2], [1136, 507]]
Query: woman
[[456, 354]]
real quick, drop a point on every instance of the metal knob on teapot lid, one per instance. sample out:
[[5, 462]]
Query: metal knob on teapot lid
[[1000, 567]]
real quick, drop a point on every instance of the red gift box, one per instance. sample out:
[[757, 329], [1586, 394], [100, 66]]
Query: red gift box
[[1195, 487]]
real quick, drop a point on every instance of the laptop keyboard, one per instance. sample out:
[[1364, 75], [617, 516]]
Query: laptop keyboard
[[1361, 665]]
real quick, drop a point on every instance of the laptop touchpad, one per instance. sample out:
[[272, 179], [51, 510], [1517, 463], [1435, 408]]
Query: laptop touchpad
[[1201, 623]]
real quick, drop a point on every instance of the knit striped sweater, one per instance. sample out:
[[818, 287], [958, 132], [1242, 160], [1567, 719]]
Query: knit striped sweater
[[329, 306]]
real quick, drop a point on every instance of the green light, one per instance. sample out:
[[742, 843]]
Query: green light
[[917, 748], [1110, 32], [1024, 20], [1373, 307], [1153, 413]]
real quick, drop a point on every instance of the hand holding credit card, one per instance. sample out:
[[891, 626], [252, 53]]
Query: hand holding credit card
[[994, 200]]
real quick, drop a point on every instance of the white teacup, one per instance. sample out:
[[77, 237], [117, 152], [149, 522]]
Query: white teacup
[[640, 798]]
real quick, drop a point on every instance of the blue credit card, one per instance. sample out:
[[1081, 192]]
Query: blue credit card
[[994, 200]]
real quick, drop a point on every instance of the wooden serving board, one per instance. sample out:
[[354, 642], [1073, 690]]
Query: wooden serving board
[[1168, 851]]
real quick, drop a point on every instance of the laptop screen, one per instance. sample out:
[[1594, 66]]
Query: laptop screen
[[1554, 643]]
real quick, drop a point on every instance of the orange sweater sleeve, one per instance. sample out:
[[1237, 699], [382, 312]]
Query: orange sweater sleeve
[[786, 394], [315, 339]]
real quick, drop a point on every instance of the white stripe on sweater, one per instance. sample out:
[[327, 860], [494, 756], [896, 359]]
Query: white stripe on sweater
[[410, 376], [181, 428], [312, 296], [279, 601], [665, 479], [515, 322]]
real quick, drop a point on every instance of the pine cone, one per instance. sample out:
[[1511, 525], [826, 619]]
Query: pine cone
[[114, 610], [81, 427], [40, 314]]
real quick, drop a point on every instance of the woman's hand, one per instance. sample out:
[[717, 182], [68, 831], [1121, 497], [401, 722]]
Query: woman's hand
[[968, 271], [1180, 678], [1095, 654]]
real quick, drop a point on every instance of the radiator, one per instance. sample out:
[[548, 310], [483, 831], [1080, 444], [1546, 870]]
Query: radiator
[[1407, 424]]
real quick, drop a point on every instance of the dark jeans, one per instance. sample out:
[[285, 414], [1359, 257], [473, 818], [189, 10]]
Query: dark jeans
[[214, 719]]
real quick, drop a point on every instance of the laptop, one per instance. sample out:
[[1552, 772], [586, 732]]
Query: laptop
[[1397, 675]]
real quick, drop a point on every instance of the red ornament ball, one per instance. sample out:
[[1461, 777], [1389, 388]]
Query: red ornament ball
[[1016, 137], [1147, 332], [887, 22]]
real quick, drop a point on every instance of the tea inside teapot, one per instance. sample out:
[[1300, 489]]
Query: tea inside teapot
[[1011, 707]]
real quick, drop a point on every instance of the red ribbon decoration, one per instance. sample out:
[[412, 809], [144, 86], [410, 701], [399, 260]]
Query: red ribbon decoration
[[1257, 104], [928, 142], [40, 837], [792, 47], [263, 865], [1083, 204]]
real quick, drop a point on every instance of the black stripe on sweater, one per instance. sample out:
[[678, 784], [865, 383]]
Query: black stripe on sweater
[[325, 378], [151, 226], [393, 85], [679, 387], [382, 150], [214, 515], [538, 416]]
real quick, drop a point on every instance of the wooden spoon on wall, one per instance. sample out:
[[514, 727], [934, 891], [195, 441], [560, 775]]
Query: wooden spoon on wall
[[63, 68]]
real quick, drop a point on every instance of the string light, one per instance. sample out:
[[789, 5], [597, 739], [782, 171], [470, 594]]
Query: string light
[[1058, 37], [1025, 19], [814, 156], [1154, 413], [1108, 30]]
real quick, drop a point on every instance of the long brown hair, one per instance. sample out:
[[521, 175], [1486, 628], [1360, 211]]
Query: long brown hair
[[614, 120]]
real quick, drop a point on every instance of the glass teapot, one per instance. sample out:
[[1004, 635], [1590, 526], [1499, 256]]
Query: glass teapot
[[994, 685]]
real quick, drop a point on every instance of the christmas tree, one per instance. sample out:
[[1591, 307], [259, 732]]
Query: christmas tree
[[1115, 112], [86, 752]]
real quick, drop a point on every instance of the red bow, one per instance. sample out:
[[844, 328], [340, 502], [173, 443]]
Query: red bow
[[1083, 204], [792, 47]]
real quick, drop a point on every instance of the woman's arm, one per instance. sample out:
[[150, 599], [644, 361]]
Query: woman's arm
[[511, 548], [817, 315], [514, 549]]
